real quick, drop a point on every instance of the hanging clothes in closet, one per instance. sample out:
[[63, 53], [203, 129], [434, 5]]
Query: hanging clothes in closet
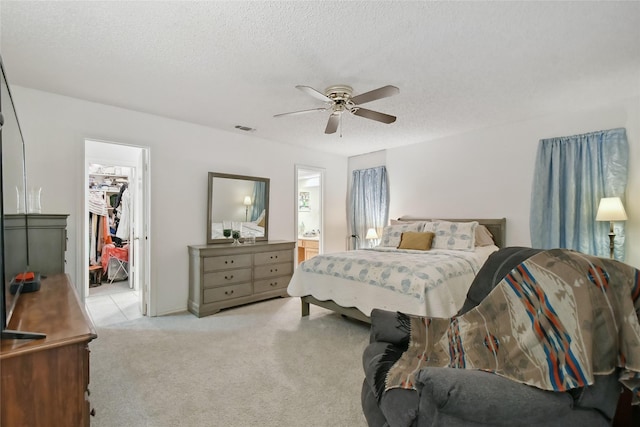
[[99, 225], [122, 206]]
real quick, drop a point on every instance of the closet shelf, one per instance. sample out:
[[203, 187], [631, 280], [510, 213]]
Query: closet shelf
[[108, 175], [106, 190]]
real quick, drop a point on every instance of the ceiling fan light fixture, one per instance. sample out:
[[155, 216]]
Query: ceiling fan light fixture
[[339, 92], [339, 98]]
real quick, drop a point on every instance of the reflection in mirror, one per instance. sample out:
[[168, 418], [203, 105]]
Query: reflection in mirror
[[240, 201]]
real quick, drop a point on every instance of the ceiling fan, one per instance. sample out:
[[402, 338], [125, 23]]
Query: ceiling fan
[[340, 99]]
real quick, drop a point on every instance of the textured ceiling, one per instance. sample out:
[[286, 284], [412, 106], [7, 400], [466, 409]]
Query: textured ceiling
[[460, 66]]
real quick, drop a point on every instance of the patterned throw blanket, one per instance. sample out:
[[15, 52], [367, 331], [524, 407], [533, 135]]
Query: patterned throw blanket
[[556, 320]]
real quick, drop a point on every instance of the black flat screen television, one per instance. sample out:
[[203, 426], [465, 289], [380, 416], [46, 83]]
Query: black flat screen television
[[13, 185]]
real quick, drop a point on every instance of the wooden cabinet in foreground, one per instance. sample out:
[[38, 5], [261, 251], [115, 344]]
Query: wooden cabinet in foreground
[[44, 382], [223, 276]]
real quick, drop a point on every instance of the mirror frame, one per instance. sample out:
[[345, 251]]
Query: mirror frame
[[210, 201]]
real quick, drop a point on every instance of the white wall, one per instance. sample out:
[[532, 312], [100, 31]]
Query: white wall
[[366, 161], [488, 173], [182, 154]]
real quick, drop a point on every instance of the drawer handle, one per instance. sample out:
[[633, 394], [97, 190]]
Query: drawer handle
[[273, 284], [229, 262], [274, 256], [229, 278], [228, 292], [93, 412], [274, 270]]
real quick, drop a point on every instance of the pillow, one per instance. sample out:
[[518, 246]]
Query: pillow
[[391, 234], [459, 236], [261, 218], [483, 236], [429, 226], [416, 240]]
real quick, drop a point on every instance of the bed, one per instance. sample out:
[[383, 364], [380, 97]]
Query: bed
[[249, 227], [430, 282]]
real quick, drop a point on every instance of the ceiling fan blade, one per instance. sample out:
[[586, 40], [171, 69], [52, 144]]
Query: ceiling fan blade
[[382, 92], [311, 91], [374, 115], [332, 124], [293, 113]]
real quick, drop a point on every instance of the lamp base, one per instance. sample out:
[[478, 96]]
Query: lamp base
[[612, 237]]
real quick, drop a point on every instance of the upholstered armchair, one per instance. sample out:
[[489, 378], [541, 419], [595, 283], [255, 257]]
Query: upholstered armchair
[[464, 397]]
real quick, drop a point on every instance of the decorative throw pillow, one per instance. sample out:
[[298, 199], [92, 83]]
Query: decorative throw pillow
[[455, 235], [416, 240], [391, 234], [429, 226], [483, 236], [260, 219]]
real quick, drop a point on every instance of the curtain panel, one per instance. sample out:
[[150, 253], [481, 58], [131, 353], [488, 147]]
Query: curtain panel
[[571, 175], [258, 200], [369, 204]]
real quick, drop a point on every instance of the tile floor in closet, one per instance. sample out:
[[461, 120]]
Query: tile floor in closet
[[112, 303]]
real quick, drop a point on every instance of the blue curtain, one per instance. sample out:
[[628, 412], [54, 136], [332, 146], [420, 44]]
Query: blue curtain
[[369, 207], [571, 175], [258, 200]]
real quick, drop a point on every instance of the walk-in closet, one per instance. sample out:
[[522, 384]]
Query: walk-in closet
[[109, 225]]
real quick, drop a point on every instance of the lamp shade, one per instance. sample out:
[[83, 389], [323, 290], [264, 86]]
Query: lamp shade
[[611, 209], [247, 201], [371, 234]]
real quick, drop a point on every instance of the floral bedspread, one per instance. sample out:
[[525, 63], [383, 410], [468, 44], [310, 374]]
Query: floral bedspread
[[409, 272]]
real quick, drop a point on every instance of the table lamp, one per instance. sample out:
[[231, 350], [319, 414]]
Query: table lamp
[[371, 234], [611, 209], [246, 203]]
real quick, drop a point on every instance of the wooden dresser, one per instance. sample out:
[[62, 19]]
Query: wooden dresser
[[47, 242], [223, 276], [44, 382]]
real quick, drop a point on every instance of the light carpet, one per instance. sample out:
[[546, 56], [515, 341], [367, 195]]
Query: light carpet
[[257, 365]]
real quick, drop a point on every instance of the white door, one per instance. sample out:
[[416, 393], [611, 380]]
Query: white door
[[141, 232]]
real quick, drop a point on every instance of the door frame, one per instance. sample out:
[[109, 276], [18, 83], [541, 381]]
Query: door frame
[[143, 270], [321, 171]]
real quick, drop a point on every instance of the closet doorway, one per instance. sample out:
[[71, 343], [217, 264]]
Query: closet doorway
[[309, 196], [116, 253]]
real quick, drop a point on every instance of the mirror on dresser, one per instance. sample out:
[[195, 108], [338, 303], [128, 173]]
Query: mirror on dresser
[[237, 201]]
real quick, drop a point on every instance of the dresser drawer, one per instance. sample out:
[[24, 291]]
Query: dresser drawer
[[226, 292], [273, 270], [222, 278], [271, 284], [272, 257], [227, 261]]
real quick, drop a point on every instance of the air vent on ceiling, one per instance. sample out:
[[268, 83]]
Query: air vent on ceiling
[[245, 128]]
